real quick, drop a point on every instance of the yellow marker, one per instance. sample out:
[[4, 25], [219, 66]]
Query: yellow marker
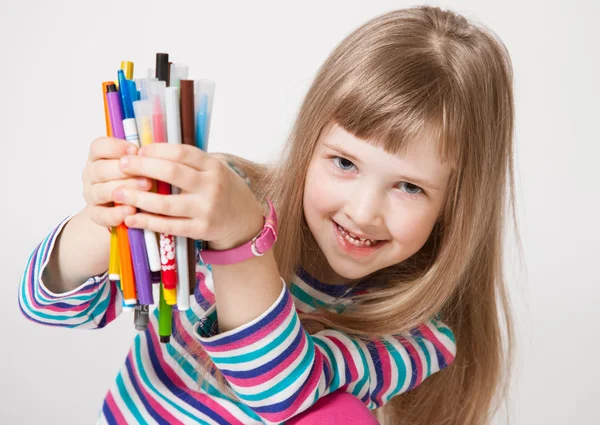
[[146, 139], [127, 68], [114, 265]]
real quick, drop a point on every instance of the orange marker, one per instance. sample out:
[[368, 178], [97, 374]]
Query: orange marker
[[106, 114], [127, 276]]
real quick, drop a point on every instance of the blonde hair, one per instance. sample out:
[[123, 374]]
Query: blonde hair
[[402, 74]]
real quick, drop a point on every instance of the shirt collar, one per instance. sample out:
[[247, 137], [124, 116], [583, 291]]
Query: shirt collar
[[328, 288]]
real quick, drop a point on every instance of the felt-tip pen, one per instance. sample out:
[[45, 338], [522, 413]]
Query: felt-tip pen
[[137, 245], [126, 272], [143, 117], [167, 242], [113, 262], [188, 137], [181, 242]]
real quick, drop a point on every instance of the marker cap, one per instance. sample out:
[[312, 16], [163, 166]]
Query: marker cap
[[178, 72], [204, 95], [204, 87], [173, 117], [186, 96], [143, 84], [127, 67], [162, 66], [156, 95], [125, 92], [143, 119]]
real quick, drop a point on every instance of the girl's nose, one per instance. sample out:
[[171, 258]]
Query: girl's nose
[[365, 211]]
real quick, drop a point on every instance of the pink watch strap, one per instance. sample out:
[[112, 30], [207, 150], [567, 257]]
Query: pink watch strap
[[260, 244]]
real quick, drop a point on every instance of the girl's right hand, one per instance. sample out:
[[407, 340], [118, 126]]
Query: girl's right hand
[[102, 175]]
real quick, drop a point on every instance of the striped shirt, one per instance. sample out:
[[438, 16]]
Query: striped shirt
[[274, 366]]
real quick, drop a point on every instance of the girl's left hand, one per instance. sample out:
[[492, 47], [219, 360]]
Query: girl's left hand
[[215, 204]]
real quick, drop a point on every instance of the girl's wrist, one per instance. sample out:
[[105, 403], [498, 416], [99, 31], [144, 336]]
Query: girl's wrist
[[239, 239]]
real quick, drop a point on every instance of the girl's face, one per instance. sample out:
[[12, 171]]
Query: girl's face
[[393, 199]]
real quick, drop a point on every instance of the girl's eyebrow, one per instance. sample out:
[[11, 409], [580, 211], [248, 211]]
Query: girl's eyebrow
[[414, 180]]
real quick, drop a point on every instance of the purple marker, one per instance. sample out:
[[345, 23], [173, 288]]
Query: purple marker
[[139, 256]]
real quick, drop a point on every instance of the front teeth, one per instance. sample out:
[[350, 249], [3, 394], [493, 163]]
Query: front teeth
[[353, 240]]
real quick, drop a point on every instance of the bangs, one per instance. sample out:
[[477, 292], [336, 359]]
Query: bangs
[[391, 117]]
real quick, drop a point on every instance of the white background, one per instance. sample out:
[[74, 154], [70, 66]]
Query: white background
[[263, 56]]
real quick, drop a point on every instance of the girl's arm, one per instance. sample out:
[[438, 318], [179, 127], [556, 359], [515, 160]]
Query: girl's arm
[[81, 250], [278, 370], [65, 282]]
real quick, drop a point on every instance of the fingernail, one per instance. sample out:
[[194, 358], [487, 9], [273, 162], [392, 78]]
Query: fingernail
[[143, 183], [131, 150], [125, 161]]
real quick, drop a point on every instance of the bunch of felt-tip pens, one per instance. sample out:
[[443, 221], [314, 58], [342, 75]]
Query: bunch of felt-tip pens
[[164, 107]]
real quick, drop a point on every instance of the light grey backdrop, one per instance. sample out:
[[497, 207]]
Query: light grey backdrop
[[263, 54]]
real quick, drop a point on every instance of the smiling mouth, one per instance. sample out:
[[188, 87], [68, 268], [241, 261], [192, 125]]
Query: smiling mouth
[[358, 242]]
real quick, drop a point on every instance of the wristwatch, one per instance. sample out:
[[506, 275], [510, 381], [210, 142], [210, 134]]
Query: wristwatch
[[260, 244]]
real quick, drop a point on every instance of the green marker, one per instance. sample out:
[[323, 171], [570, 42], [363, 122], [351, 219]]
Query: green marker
[[165, 318]]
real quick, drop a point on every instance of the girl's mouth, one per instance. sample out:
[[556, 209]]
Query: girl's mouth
[[355, 246]]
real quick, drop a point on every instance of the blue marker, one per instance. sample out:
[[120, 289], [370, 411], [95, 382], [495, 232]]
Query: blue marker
[[125, 90], [133, 93], [201, 118], [201, 121]]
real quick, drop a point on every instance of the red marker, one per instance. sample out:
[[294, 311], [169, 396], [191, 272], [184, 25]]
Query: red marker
[[167, 242]]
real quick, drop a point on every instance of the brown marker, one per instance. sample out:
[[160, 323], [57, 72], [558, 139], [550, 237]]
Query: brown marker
[[188, 137]]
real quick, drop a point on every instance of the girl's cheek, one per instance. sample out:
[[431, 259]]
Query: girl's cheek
[[320, 194], [320, 201], [411, 230]]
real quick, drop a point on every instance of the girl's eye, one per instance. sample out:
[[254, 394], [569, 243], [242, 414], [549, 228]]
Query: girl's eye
[[412, 189], [409, 188], [341, 161]]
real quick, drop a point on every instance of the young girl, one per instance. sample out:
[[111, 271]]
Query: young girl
[[388, 205]]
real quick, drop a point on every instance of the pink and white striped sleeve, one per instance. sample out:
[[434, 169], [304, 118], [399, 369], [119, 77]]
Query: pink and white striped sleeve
[[92, 305], [278, 370]]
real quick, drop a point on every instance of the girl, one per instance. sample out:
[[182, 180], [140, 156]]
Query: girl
[[390, 195]]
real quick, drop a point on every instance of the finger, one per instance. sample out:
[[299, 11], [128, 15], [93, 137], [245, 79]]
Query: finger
[[176, 174], [169, 205], [109, 216], [110, 148], [102, 193], [105, 170], [169, 225], [189, 155]]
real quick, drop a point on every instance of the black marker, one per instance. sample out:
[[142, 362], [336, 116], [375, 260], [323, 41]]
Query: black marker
[[162, 67]]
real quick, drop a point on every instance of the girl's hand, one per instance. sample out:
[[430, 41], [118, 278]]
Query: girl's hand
[[215, 204], [101, 175]]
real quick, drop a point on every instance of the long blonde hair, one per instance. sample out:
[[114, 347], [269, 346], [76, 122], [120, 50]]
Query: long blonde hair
[[397, 76]]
